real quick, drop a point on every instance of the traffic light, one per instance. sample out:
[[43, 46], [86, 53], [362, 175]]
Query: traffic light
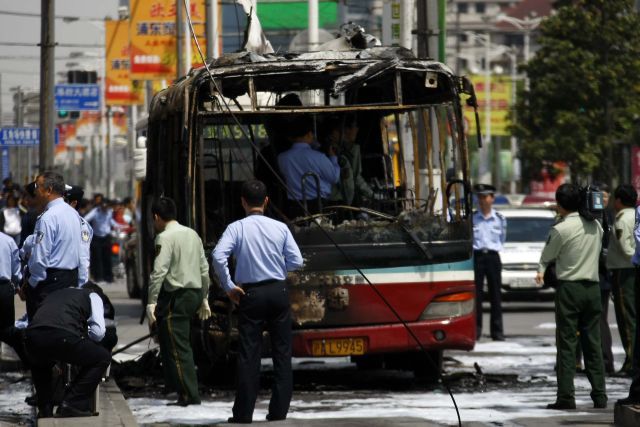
[[78, 76]]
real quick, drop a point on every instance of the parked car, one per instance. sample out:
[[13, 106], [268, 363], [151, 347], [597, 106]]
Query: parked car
[[527, 231]]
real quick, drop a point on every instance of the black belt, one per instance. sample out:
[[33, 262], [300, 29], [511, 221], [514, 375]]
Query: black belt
[[484, 252], [5, 282], [246, 286], [60, 270]]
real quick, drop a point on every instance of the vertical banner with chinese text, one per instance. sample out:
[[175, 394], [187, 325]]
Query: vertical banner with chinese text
[[119, 89], [153, 37], [500, 105]]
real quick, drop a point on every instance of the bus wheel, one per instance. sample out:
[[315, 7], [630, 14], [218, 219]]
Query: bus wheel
[[132, 282], [427, 369]]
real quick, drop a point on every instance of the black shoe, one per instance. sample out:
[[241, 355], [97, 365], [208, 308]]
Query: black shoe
[[562, 405], [234, 420], [67, 411], [180, 402], [46, 411], [635, 400], [31, 400], [600, 405], [498, 337], [274, 418]]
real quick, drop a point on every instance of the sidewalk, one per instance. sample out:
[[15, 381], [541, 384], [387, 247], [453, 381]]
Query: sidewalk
[[113, 411]]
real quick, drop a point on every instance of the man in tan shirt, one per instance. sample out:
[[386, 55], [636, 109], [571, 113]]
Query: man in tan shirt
[[178, 285], [574, 243], [622, 246]]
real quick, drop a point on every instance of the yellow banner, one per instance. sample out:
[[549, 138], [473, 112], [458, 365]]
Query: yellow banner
[[153, 37], [119, 89], [500, 105]]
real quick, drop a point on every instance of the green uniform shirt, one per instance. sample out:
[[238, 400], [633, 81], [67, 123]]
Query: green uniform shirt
[[179, 262], [574, 244], [622, 244]]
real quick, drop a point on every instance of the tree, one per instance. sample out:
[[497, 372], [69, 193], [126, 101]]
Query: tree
[[585, 82]]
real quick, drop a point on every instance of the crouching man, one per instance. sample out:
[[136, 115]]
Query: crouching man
[[68, 327]]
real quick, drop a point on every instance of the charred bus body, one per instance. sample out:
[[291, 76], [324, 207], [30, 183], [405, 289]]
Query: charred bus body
[[411, 237]]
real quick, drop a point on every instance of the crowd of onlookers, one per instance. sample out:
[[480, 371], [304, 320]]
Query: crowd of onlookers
[[19, 215]]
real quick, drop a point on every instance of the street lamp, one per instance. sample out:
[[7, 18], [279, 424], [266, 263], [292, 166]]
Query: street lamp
[[526, 25], [484, 172]]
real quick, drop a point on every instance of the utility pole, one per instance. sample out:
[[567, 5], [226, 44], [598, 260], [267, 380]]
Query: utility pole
[[428, 28], [108, 153], [211, 28], [47, 53], [313, 25], [180, 39], [18, 99]]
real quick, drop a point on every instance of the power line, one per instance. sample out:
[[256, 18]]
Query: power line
[[65, 18], [25, 44], [57, 58]]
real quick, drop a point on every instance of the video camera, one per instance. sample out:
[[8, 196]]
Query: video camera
[[591, 203]]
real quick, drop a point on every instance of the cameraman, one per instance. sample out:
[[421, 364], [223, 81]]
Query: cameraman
[[621, 248], [574, 243]]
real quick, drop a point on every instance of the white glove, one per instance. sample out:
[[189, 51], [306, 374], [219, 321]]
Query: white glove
[[151, 316], [204, 312]]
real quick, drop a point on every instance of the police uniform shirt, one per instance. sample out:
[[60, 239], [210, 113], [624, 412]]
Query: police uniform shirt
[[9, 259], [622, 243], [489, 233], [574, 244], [57, 241], [264, 249], [101, 221], [180, 262], [86, 234], [300, 159]]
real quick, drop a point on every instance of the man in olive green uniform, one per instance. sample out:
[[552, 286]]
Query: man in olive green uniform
[[621, 248], [574, 244], [178, 285]]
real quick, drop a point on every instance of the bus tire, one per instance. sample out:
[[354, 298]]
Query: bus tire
[[427, 369], [368, 362], [133, 289]]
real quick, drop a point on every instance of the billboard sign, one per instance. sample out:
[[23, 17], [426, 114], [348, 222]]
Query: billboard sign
[[500, 95], [119, 88], [153, 37]]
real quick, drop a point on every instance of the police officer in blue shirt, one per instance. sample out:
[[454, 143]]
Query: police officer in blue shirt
[[73, 196], [301, 159], [489, 234], [264, 251], [55, 261], [101, 220], [10, 276]]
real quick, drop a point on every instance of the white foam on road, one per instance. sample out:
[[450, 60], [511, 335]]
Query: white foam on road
[[531, 359]]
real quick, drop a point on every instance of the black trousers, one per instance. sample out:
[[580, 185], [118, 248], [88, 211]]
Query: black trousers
[[48, 345], [264, 305], [634, 390], [8, 332], [488, 265], [100, 253], [56, 279]]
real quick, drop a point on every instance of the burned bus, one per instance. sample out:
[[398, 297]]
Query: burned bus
[[381, 270]]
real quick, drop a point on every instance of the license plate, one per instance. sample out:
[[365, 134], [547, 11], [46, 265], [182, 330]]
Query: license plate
[[524, 283], [337, 347]]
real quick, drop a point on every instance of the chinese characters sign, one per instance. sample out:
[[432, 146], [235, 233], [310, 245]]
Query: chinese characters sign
[[11, 137], [153, 37], [77, 97], [500, 93], [119, 89]]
